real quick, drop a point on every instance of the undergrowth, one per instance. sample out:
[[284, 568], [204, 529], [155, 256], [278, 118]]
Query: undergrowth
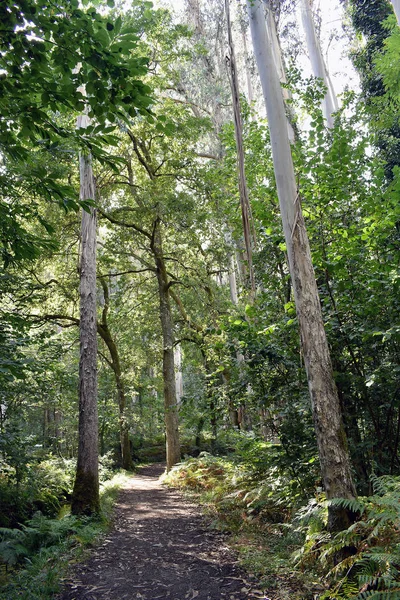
[[371, 546], [288, 548], [254, 504], [35, 557]]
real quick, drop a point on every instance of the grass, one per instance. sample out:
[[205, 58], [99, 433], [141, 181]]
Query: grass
[[42, 572]]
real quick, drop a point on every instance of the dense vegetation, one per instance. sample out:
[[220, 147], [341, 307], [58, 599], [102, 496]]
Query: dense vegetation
[[196, 316]]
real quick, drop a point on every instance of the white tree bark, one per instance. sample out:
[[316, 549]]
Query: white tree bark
[[178, 373], [243, 189], [396, 8], [85, 498], [231, 269], [280, 67], [331, 439], [232, 280], [250, 91], [329, 104]]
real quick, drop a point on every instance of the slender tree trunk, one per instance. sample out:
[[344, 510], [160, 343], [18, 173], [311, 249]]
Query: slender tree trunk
[[329, 104], [331, 438], [167, 326], [231, 269], [243, 190], [115, 365], [280, 67], [232, 279], [85, 496], [123, 424], [250, 92], [178, 373], [396, 8]]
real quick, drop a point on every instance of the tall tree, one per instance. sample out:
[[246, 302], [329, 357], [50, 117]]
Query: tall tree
[[331, 439], [85, 496], [369, 20], [329, 103], [167, 327], [243, 189], [115, 364]]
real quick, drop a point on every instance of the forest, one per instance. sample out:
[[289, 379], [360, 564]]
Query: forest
[[199, 245]]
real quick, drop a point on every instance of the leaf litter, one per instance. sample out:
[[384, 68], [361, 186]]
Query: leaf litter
[[160, 548]]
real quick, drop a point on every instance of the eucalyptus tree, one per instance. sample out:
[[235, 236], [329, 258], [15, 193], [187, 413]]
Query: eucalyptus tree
[[329, 103], [159, 211], [248, 230], [333, 453]]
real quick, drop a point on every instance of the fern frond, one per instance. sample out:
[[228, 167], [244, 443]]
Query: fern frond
[[356, 506], [393, 594]]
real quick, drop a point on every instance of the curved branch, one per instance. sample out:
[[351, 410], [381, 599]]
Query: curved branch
[[183, 312], [123, 223]]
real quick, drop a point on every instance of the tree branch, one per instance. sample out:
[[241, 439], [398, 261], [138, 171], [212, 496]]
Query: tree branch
[[123, 223], [183, 312]]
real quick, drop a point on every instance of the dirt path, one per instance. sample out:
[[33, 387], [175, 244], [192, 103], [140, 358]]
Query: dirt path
[[159, 548]]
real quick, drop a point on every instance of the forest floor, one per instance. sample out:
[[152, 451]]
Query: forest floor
[[159, 547]]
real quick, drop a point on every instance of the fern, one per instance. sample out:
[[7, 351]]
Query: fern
[[356, 506], [373, 568]]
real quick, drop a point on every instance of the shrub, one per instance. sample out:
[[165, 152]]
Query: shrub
[[370, 547]]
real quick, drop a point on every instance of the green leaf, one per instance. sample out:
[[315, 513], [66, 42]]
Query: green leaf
[[103, 37]]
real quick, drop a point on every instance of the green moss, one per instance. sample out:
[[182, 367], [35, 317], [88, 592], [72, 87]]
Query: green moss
[[85, 497]]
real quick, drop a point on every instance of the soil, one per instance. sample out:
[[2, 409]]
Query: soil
[[159, 547]]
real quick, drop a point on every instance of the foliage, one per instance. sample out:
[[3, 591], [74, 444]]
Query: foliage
[[239, 489], [159, 101], [38, 553], [254, 505], [42, 46], [362, 561]]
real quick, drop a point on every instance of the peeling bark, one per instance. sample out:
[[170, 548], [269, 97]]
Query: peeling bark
[[330, 434]]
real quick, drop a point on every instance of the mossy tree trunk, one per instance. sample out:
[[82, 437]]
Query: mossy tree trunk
[[115, 365], [167, 327]]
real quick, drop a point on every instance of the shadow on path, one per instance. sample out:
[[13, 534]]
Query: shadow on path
[[159, 548]]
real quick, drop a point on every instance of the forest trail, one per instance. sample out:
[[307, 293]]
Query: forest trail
[[158, 548]]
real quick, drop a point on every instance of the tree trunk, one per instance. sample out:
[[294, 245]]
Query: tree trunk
[[331, 438], [115, 365], [167, 326], [280, 67], [243, 190], [396, 8], [329, 104], [250, 93], [85, 496], [178, 373]]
